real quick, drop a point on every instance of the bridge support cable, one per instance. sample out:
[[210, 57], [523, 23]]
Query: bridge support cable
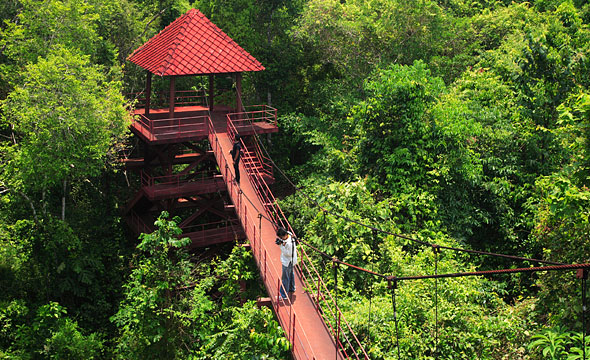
[[370, 284], [436, 250], [392, 284], [500, 271], [370, 301]]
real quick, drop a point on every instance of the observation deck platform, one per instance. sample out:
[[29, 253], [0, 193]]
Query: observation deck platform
[[188, 123]]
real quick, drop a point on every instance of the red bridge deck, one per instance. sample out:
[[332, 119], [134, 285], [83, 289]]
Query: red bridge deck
[[301, 319]]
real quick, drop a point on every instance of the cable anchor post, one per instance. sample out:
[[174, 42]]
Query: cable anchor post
[[436, 248], [391, 282]]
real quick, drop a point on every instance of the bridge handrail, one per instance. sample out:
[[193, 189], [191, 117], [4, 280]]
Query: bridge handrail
[[190, 228], [292, 323], [174, 179], [181, 97], [255, 113], [194, 97], [177, 126], [276, 213], [261, 187]]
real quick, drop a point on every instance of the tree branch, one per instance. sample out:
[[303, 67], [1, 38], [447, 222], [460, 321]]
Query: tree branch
[[7, 189], [144, 30]]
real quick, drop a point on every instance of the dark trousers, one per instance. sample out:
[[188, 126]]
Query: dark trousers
[[287, 280], [237, 171]]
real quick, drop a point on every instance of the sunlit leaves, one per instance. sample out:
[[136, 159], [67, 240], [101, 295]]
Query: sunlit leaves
[[67, 118]]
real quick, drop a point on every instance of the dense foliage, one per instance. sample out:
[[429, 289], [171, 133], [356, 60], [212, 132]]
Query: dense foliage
[[453, 122]]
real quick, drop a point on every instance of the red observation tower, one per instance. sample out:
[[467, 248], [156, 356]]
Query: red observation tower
[[178, 170]]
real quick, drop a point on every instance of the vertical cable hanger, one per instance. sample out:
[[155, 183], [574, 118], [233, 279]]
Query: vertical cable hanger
[[436, 250], [336, 312], [392, 284], [374, 233]]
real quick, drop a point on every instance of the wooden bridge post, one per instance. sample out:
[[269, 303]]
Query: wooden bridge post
[[172, 96], [211, 91]]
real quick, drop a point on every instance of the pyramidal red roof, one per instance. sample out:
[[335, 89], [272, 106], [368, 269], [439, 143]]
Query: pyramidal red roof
[[193, 45]]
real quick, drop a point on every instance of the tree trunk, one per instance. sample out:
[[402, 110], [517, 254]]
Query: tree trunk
[[63, 201], [32, 207]]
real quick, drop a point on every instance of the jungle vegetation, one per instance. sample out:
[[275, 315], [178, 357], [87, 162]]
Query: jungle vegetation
[[461, 123]]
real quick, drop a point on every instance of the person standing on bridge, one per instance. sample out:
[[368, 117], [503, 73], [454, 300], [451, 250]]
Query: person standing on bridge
[[288, 242], [236, 153]]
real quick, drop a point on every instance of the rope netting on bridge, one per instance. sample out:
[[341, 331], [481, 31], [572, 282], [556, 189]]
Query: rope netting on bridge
[[347, 342]]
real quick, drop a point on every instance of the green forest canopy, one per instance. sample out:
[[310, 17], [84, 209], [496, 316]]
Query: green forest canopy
[[460, 123]]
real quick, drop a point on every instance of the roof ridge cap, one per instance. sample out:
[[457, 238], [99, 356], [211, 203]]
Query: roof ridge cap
[[187, 18]]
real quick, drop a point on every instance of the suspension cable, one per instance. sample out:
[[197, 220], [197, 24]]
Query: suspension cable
[[500, 271]]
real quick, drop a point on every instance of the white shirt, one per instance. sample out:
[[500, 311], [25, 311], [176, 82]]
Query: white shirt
[[288, 249]]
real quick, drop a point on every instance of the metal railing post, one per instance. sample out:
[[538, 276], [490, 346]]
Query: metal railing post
[[318, 294], [293, 336], [260, 234]]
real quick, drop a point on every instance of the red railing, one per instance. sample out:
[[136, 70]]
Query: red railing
[[252, 114], [162, 99], [190, 97], [346, 341], [263, 165], [162, 184], [181, 98], [138, 224], [209, 226], [175, 128], [204, 232]]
